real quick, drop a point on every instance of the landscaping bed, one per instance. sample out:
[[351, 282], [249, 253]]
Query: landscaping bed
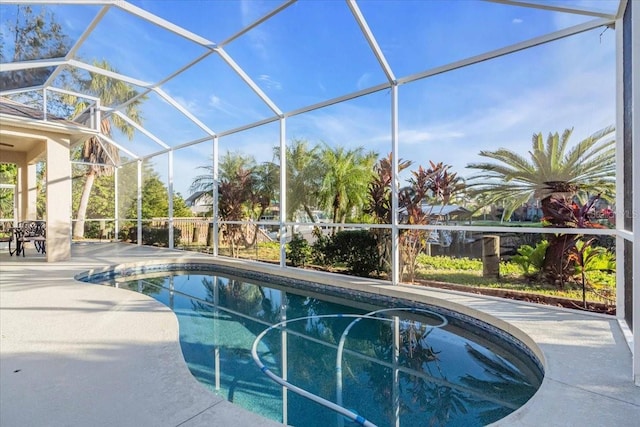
[[597, 307]]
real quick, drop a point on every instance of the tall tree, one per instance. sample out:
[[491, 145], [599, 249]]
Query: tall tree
[[304, 177], [101, 155], [245, 191], [347, 174], [155, 201], [265, 190], [586, 169], [8, 176], [33, 35]]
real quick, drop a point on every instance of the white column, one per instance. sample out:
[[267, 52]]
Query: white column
[[21, 196], [30, 211], [58, 200]]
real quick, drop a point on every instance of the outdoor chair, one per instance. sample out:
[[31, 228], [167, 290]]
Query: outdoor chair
[[25, 232]]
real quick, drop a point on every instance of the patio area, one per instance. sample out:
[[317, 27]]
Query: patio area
[[73, 354], [79, 354]]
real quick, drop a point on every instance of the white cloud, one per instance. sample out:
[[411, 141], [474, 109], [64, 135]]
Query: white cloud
[[269, 82], [214, 101], [218, 104], [364, 81], [190, 105], [517, 21], [418, 136], [259, 39]]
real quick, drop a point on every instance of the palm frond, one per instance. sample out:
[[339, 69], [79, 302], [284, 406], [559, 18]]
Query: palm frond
[[564, 141], [582, 149], [511, 180]]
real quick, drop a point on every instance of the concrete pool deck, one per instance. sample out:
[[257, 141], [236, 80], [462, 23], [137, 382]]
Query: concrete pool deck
[[74, 354]]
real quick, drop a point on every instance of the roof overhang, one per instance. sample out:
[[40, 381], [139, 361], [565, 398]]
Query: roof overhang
[[23, 134]]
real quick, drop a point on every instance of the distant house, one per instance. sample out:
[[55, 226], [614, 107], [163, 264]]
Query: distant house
[[200, 203], [447, 212], [442, 213]]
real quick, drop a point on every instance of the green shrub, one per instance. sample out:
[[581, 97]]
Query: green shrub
[[298, 251], [91, 230], [529, 257], [153, 236], [441, 262], [358, 250], [597, 258], [510, 269], [322, 252]]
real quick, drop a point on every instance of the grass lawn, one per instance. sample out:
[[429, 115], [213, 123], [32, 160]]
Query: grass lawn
[[467, 273]]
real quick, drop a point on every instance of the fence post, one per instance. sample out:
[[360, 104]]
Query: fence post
[[491, 257], [210, 234]]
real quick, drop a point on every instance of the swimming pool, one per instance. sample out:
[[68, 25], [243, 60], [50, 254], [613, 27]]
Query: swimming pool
[[381, 359]]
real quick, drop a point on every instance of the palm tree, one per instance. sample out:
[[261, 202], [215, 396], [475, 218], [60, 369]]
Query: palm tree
[[345, 184], [103, 156], [245, 191], [233, 166], [555, 176], [304, 175], [552, 168], [266, 184]]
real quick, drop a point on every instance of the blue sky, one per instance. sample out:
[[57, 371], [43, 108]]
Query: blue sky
[[314, 51]]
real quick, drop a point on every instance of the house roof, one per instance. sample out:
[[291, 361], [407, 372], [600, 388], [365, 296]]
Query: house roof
[[196, 197], [28, 121], [440, 210], [13, 108]]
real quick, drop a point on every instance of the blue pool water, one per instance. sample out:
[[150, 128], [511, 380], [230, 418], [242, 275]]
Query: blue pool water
[[448, 370]]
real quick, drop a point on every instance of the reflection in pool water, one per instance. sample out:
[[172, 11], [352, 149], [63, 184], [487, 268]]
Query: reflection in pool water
[[411, 366]]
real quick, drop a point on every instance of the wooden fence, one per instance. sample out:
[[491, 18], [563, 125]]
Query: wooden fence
[[196, 231]]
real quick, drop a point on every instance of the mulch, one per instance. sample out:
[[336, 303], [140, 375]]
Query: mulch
[[596, 307]]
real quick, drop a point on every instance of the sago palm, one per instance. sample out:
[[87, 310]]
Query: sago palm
[[588, 168]]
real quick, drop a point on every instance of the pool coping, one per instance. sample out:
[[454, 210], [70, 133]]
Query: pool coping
[[586, 359]]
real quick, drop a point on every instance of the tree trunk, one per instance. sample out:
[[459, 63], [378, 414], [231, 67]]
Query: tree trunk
[[307, 209], [78, 227], [560, 259]]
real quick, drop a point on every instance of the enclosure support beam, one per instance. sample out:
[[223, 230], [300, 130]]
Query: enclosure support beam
[[139, 204], [283, 192], [635, 175], [395, 235], [170, 192]]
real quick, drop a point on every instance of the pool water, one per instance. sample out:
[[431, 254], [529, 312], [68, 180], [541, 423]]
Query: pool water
[[411, 366]]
